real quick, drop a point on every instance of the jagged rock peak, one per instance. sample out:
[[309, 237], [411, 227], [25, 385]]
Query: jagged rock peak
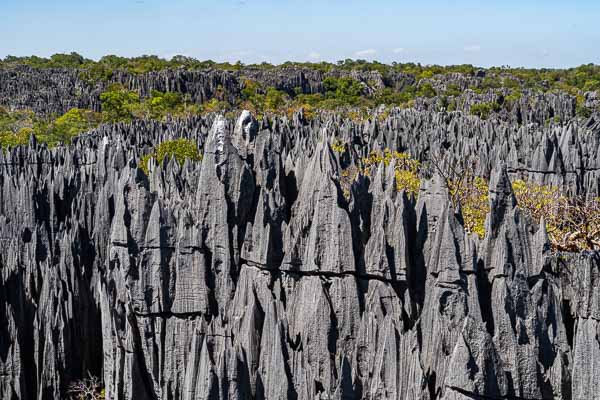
[[252, 274]]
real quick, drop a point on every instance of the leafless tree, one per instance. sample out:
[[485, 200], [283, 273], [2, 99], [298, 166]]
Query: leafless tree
[[459, 176], [89, 388], [577, 222]]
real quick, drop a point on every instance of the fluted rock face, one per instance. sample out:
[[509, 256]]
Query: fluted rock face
[[252, 274]]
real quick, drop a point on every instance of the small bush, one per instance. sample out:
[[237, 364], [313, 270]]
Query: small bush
[[338, 146], [87, 389], [453, 90], [17, 126], [573, 223], [347, 176], [473, 197], [178, 148], [69, 125], [406, 170], [483, 110], [513, 98], [213, 105]]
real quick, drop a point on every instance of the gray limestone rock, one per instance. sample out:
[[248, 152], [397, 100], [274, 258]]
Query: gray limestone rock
[[252, 274]]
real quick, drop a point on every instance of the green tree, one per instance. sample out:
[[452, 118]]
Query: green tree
[[345, 89], [426, 90], [275, 99], [72, 123], [72, 60], [162, 104], [117, 103]]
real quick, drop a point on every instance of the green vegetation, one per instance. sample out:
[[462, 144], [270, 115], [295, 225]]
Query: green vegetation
[[69, 125], [513, 98], [118, 104], [121, 105], [339, 92], [580, 109], [471, 192], [573, 223], [426, 90], [483, 110], [17, 126], [259, 100], [178, 148], [453, 90], [103, 68], [406, 169], [582, 78], [343, 94]]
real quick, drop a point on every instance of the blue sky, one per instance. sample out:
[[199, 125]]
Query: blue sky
[[531, 33]]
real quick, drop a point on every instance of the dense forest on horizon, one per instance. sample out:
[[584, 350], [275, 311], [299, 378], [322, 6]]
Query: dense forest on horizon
[[354, 88]]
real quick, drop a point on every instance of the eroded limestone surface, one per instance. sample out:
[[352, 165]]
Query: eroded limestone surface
[[252, 275]]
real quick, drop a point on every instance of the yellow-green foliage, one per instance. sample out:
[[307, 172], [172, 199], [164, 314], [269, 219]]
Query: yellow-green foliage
[[474, 200], [426, 90], [260, 100], [406, 169], [483, 110], [213, 105], [573, 223], [348, 176], [69, 125], [513, 98], [17, 126], [538, 200], [338, 146], [453, 90], [117, 103], [178, 148], [122, 105]]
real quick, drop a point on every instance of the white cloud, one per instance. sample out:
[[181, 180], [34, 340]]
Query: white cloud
[[475, 48], [365, 53], [398, 50], [313, 55]]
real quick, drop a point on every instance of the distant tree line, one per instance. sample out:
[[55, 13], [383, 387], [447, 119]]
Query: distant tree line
[[343, 94]]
